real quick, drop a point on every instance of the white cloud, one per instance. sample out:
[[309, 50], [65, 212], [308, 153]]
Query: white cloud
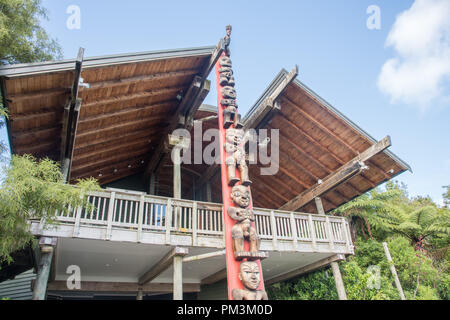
[[419, 72]]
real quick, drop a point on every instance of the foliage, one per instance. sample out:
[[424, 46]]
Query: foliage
[[446, 196], [23, 40], [34, 189], [382, 214], [314, 286], [417, 233], [21, 35], [373, 210]]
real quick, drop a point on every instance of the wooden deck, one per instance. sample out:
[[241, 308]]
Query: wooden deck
[[141, 218]]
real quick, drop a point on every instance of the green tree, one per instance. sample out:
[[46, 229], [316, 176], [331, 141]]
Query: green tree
[[446, 196], [34, 189], [374, 209], [422, 222], [22, 38]]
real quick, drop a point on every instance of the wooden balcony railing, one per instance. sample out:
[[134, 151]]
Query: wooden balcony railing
[[141, 213]]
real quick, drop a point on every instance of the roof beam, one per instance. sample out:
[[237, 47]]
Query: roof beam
[[215, 277], [140, 79], [321, 147], [332, 134], [270, 103], [161, 150], [100, 85], [305, 269], [133, 96], [70, 119], [347, 171], [124, 287], [162, 265]]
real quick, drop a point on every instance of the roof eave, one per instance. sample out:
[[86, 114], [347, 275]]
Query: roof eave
[[24, 69]]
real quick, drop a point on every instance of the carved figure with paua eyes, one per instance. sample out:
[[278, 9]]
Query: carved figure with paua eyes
[[244, 217], [236, 157], [250, 277]]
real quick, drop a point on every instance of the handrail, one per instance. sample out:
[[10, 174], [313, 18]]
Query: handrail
[[146, 213]]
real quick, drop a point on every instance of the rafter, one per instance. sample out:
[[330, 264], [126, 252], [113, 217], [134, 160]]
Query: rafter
[[332, 134], [162, 265], [347, 171], [70, 119], [322, 148]]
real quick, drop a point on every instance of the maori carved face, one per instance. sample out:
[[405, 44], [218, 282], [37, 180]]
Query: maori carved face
[[249, 275], [228, 102], [235, 136], [228, 30], [225, 62], [240, 196], [229, 92]]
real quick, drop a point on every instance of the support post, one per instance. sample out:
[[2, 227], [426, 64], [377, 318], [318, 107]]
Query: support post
[[177, 172], [208, 192], [338, 281], [40, 286], [139, 295], [152, 183], [393, 271], [178, 277], [319, 206]]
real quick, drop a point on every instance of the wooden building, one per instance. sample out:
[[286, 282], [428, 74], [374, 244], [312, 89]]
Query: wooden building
[[109, 117]]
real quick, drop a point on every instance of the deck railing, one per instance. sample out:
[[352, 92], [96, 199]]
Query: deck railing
[[142, 212]]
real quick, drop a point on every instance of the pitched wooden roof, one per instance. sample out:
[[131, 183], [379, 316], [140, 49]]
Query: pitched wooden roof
[[315, 141], [130, 99]]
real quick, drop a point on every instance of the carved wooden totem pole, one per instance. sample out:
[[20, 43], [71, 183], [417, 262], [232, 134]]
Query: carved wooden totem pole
[[244, 271]]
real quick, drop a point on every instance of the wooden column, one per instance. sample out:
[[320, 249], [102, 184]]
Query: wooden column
[[40, 286], [338, 281], [178, 277], [319, 206], [208, 192], [152, 183], [393, 271], [139, 294], [177, 173]]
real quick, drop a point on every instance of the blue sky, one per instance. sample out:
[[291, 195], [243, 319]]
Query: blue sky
[[338, 57]]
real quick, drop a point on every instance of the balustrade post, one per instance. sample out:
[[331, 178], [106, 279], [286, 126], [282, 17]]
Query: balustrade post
[[194, 223], [140, 217], [273, 223], [329, 233], [313, 232], [293, 231], [168, 220], [76, 226], [112, 199]]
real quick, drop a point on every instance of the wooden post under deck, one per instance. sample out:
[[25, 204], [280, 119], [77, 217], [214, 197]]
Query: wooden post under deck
[[338, 281], [178, 277], [393, 271], [176, 172], [334, 265], [40, 286]]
